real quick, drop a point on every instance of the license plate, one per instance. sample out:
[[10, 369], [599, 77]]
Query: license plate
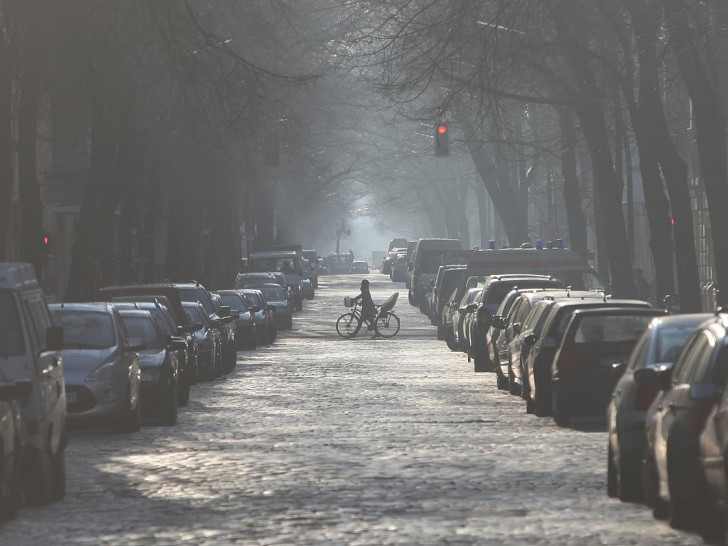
[[70, 398]]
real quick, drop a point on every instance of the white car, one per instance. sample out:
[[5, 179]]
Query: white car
[[30, 349]]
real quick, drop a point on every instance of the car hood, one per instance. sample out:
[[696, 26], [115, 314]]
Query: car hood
[[85, 359], [149, 359], [277, 304]]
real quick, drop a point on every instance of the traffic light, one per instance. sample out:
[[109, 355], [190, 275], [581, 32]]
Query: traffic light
[[47, 242], [442, 140]]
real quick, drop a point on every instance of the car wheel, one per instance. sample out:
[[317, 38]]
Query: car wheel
[[541, 402], [501, 381], [452, 344], [184, 393], [39, 480], [682, 513], [530, 405], [411, 298], [59, 475], [560, 411], [629, 473], [612, 483], [168, 412], [481, 363], [130, 419], [513, 387]]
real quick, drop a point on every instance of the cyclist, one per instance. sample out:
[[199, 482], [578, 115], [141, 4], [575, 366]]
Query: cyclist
[[368, 310]]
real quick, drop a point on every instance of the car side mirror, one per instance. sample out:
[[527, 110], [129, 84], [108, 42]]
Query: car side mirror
[[181, 330], [530, 338], [499, 322], [54, 338], [704, 391], [254, 308], [8, 392], [618, 369], [224, 311], [516, 328], [645, 376], [235, 314], [177, 344], [196, 326], [664, 378]]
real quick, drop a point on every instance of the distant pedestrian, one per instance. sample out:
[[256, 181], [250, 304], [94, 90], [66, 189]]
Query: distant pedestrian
[[643, 287]]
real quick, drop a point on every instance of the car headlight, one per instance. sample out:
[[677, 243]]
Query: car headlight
[[102, 373], [151, 374]]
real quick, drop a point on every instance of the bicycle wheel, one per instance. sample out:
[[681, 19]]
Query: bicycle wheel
[[387, 324], [348, 325]]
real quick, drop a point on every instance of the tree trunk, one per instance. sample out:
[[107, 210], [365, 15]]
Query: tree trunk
[[572, 191], [482, 196], [31, 207]]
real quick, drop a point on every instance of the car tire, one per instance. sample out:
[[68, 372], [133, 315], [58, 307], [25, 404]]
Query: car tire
[[612, 481], [39, 479], [682, 514], [411, 298], [59, 475], [542, 404], [299, 304], [629, 474], [184, 393], [513, 387], [501, 382], [289, 323], [560, 411], [452, 344], [480, 362], [168, 412], [649, 480], [530, 406], [130, 419]]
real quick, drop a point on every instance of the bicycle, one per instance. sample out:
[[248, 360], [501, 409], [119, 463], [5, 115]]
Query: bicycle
[[386, 323]]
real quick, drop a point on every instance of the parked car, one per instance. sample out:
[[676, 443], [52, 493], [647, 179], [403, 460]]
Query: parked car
[[307, 289], [12, 443], [426, 258], [185, 352], [265, 325], [225, 318], [596, 344], [690, 390], [537, 364], [276, 299], [312, 267], [456, 339], [101, 366], [30, 346], [359, 267], [657, 350], [449, 278], [158, 364], [399, 268], [209, 345], [246, 331]]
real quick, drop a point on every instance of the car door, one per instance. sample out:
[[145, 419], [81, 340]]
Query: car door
[[49, 366]]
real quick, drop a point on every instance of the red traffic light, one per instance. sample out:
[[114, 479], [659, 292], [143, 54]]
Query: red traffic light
[[46, 240], [441, 129]]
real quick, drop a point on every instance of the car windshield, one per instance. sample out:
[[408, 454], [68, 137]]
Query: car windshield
[[670, 342], [580, 280], [143, 327], [198, 294], [273, 293], [235, 303], [85, 329], [12, 341], [164, 320], [251, 298], [611, 328], [194, 315], [284, 265]]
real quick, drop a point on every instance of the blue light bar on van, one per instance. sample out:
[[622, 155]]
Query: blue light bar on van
[[560, 243], [491, 244]]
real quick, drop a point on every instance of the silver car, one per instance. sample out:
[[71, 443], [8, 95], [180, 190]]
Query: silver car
[[101, 366]]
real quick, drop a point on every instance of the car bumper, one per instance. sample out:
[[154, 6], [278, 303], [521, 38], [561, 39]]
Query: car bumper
[[587, 395], [95, 401]]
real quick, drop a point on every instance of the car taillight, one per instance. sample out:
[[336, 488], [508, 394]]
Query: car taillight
[[644, 396], [700, 414]]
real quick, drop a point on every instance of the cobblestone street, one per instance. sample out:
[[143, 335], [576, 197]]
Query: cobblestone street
[[320, 440]]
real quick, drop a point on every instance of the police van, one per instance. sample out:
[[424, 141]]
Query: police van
[[553, 259], [30, 358]]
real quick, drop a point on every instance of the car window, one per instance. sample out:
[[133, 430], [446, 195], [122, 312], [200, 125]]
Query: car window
[[689, 358], [273, 293], [533, 316], [85, 329], [670, 341], [638, 360], [514, 309], [611, 328], [198, 293], [720, 368], [235, 302], [164, 321], [702, 367], [523, 311], [144, 328], [12, 341]]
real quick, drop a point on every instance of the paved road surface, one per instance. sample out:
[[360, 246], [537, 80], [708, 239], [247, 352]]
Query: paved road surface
[[319, 440]]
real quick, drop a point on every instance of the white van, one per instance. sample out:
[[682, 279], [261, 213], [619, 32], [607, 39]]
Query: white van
[[30, 357]]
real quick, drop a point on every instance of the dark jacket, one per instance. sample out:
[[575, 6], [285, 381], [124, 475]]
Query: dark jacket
[[367, 305]]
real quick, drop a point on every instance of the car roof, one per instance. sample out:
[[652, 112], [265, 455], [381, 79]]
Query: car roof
[[267, 285], [16, 276], [688, 319], [86, 306], [563, 303], [512, 276], [625, 310], [134, 313]]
